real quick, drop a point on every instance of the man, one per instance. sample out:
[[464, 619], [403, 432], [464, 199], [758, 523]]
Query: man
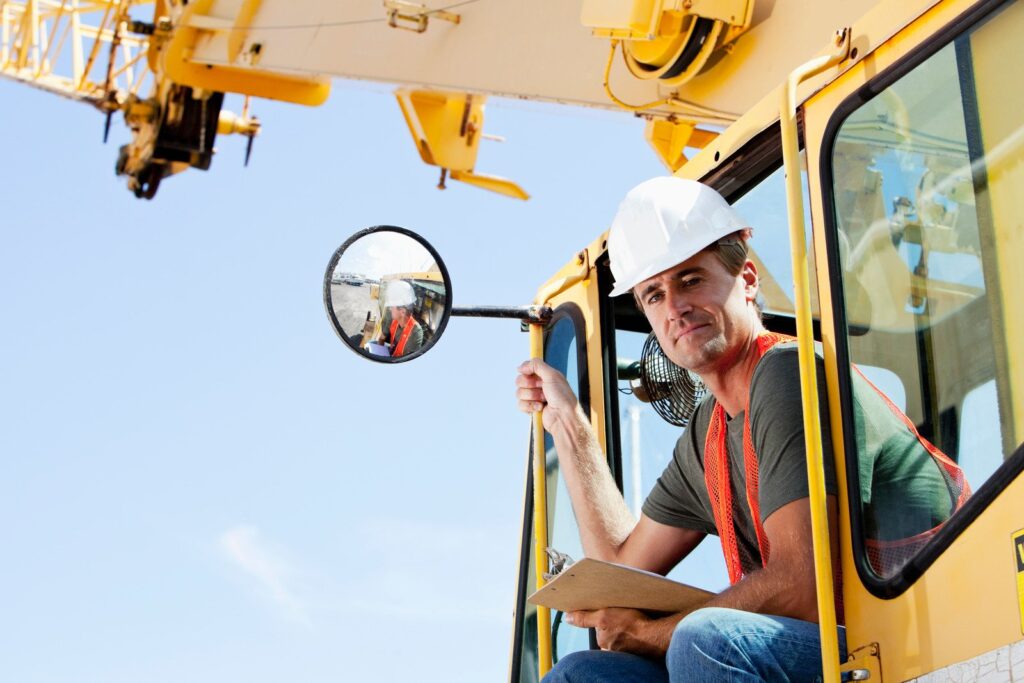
[[738, 471], [400, 330]]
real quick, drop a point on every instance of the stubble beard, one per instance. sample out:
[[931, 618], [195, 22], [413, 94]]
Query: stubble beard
[[703, 357]]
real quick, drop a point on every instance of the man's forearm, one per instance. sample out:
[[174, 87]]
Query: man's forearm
[[772, 590], [604, 520]]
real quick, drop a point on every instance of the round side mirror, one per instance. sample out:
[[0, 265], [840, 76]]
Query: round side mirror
[[387, 294]]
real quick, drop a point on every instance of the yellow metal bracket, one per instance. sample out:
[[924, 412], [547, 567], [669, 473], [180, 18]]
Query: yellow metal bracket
[[410, 16], [447, 128], [670, 138], [178, 65], [805, 339], [570, 275]]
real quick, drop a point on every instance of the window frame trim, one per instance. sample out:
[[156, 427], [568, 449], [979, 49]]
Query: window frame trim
[[897, 584], [574, 314]]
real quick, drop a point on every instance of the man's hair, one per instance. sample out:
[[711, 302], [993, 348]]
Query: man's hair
[[731, 251]]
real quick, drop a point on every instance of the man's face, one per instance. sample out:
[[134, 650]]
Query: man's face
[[701, 314]]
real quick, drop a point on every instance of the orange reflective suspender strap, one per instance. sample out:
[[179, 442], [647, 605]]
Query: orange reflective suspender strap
[[399, 348], [717, 477]]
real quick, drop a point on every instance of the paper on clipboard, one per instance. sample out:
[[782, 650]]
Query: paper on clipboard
[[595, 584]]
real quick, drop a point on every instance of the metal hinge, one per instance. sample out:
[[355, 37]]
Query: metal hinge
[[410, 16], [862, 664]]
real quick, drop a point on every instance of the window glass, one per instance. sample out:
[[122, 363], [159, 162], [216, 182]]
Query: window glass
[[563, 532], [764, 207], [648, 443], [918, 234]]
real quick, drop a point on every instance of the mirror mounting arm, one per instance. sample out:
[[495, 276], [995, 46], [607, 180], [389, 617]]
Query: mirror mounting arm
[[539, 315]]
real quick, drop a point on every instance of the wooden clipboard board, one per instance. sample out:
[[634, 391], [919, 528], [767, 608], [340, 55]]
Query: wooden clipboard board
[[595, 584]]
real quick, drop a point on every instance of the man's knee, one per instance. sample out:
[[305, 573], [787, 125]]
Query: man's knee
[[575, 667], [716, 643], [598, 666], [707, 641], [701, 630]]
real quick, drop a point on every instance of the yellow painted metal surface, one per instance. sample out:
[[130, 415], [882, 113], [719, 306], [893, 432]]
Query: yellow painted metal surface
[[973, 582], [622, 19], [533, 49], [194, 28], [670, 139], [447, 128], [491, 183], [540, 515], [240, 30]]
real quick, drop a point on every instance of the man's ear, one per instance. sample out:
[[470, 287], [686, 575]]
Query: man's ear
[[751, 280]]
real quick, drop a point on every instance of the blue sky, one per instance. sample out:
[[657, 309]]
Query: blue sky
[[199, 481]]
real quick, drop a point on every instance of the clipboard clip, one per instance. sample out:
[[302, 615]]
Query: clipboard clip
[[557, 562]]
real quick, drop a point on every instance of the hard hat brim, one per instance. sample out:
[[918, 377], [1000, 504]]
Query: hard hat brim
[[665, 263]]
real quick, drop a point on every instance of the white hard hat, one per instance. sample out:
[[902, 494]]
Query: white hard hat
[[399, 293], [661, 223]]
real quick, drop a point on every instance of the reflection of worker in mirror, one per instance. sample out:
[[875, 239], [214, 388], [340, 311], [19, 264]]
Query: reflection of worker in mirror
[[401, 332], [738, 471]]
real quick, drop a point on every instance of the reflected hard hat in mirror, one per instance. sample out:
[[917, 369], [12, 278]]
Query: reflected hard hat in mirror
[[387, 294]]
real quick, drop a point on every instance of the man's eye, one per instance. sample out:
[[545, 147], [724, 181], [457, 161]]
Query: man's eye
[[690, 282], [654, 298]]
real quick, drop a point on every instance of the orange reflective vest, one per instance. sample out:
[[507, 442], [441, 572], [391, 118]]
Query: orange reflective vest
[[398, 348], [883, 555]]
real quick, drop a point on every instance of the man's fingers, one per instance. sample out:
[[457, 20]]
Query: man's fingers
[[529, 381], [531, 406], [528, 394], [535, 366], [582, 618]]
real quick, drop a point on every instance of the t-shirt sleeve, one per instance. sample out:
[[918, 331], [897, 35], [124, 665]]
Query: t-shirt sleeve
[[675, 500], [777, 430]]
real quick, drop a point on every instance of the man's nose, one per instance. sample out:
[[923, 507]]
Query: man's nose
[[678, 303]]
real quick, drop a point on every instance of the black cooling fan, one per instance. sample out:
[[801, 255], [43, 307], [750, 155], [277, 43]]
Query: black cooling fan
[[674, 392]]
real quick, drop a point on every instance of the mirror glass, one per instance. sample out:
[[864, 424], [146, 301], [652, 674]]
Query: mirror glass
[[387, 294]]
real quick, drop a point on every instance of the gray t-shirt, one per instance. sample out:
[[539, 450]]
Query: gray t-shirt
[[903, 491], [680, 497]]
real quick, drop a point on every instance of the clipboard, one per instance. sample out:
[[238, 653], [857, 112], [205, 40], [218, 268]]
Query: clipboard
[[595, 584], [378, 349]]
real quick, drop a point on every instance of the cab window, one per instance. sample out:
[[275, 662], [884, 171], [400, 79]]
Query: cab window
[[924, 178]]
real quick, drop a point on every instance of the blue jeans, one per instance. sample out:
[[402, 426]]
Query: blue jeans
[[711, 644]]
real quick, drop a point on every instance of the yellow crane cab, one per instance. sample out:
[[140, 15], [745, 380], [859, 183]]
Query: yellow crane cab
[[875, 146], [910, 167]]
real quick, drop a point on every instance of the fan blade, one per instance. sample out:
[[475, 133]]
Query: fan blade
[[106, 126], [248, 150]]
